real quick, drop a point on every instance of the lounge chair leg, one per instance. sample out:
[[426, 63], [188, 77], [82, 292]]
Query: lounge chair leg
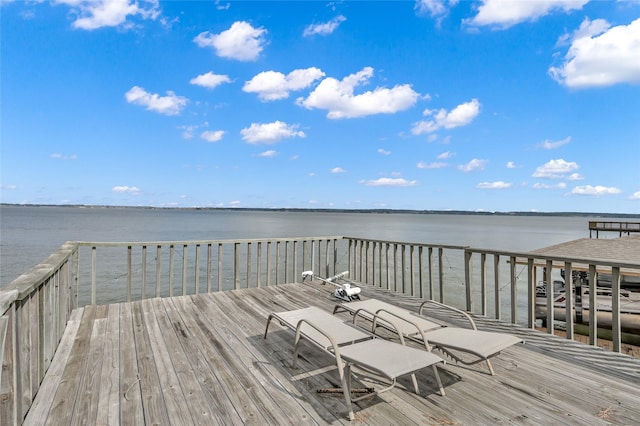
[[346, 385], [437, 374], [415, 383], [490, 368], [267, 328]]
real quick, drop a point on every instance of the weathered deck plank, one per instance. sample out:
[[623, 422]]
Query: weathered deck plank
[[202, 359], [130, 393], [108, 405]]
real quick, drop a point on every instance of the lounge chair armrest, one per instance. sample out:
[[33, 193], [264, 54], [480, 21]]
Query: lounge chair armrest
[[376, 315], [374, 320], [334, 345], [459, 311]]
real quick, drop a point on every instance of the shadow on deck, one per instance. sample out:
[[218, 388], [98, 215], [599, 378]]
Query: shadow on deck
[[202, 360]]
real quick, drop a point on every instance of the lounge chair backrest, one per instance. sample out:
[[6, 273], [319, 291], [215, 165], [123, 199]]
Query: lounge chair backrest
[[341, 332]]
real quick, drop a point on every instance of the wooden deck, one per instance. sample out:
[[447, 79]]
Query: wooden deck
[[202, 360]]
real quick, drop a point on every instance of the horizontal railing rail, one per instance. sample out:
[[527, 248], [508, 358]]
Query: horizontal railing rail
[[35, 308]]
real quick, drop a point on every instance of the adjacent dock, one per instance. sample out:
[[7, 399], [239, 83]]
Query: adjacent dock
[[202, 359], [622, 228]]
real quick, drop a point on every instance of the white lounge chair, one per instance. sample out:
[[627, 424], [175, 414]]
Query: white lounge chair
[[482, 344], [352, 346]]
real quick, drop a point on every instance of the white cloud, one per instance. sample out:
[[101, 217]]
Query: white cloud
[[473, 165], [601, 56], [446, 155], [511, 165], [268, 154], [338, 97], [461, 115], [423, 165], [493, 185], [389, 182], [58, 156], [548, 144], [555, 169], [325, 28], [434, 8], [272, 85], [337, 170], [212, 135], [210, 80], [575, 176], [168, 105], [595, 190], [635, 196], [8, 187], [383, 151], [241, 41], [188, 130], [270, 133], [560, 185], [126, 190], [505, 14], [93, 14]]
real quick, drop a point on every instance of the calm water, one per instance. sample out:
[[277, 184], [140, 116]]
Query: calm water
[[29, 234]]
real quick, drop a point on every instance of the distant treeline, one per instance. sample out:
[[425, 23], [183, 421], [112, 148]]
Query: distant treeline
[[317, 210]]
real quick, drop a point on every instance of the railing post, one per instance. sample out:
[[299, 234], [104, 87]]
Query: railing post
[[220, 254], [386, 253], [184, 269], [248, 264], [430, 260], [403, 265], [172, 250], [496, 283], [380, 268], [615, 308], [568, 293], [158, 269], [94, 284], [295, 261], [550, 297], [335, 256], [236, 266], [259, 266], [441, 274], [144, 273], [269, 263], [209, 272], [421, 272], [593, 302], [326, 259], [76, 277], [483, 283], [395, 267], [531, 293], [278, 261], [468, 280], [514, 289], [129, 274], [196, 270]]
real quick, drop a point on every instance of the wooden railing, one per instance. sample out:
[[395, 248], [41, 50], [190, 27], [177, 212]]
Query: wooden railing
[[34, 311], [462, 277], [35, 308]]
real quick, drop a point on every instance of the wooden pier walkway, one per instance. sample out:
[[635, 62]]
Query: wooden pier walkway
[[202, 359]]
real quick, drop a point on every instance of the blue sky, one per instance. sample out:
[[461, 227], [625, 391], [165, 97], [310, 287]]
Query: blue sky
[[435, 104]]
